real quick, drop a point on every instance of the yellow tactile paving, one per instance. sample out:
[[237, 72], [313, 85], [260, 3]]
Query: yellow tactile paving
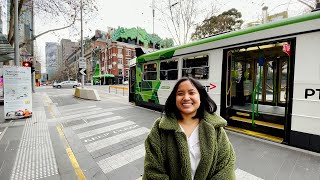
[[256, 134], [268, 124]]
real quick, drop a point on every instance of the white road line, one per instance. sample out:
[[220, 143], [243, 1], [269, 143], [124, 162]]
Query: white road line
[[243, 175], [104, 129], [93, 123], [81, 110], [94, 146], [125, 157], [75, 109], [83, 114]]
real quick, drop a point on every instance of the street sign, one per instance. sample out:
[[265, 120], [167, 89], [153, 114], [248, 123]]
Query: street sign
[[82, 63], [82, 72]]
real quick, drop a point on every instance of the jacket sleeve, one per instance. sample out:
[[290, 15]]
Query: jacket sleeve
[[154, 161], [226, 158]]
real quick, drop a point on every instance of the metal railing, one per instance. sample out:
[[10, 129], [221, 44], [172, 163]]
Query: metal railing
[[117, 89]]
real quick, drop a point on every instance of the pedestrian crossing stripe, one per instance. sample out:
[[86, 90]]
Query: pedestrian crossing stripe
[[97, 122], [104, 129], [97, 145], [87, 110], [74, 107], [125, 157]]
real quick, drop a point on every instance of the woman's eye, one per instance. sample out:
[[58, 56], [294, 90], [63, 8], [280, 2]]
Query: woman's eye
[[180, 94]]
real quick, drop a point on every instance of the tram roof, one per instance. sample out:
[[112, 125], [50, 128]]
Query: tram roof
[[168, 52]]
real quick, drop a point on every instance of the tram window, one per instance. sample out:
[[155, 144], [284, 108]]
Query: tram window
[[196, 67], [169, 70], [150, 71]]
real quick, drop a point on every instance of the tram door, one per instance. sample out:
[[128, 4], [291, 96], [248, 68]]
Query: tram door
[[257, 90], [132, 82]]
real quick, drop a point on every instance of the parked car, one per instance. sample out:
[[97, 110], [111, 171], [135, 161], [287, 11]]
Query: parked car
[[125, 82], [54, 84], [67, 84]]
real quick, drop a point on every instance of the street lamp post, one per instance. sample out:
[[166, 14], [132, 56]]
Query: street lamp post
[[16, 34], [82, 53]]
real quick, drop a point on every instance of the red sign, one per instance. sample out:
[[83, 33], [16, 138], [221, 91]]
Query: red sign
[[212, 86], [286, 49]]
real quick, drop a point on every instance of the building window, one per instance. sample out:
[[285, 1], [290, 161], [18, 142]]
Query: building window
[[196, 67], [119, 51], [169, 70], [120, 72], [120, 60], [127, 72], [128, 52], [127, 62], [150, 71]]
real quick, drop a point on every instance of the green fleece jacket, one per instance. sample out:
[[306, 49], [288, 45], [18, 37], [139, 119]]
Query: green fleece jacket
[[167, 154]]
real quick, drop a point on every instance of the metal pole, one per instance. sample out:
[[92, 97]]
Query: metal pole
[[16, 34], [82, 53], [34, 62], [153, 45]]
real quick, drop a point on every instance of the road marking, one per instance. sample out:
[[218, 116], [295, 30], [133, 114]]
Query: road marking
[[75, 109], [86, 110], [93, 113], [93, 123], [69, 151], [104, 129], [243, 175], [82, 114], [94, 146], [125, 157], [71, 156], [5, 129]]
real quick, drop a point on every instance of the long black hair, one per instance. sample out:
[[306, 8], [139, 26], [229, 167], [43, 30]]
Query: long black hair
[[207, 104]]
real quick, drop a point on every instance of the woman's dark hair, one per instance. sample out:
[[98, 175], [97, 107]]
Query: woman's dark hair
[[207, 104]]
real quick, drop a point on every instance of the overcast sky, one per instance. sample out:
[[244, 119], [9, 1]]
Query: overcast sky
[[132, 13]]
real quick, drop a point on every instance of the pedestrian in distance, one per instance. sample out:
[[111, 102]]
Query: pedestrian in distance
[[189, 142]]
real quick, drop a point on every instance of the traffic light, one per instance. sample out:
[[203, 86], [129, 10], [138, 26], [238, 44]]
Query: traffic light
[[27, 64]]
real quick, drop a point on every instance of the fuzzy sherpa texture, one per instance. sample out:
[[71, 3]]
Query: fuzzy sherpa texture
[[167, 154]]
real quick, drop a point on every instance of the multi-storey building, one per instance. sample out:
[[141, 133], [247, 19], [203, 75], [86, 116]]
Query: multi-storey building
[[116, 57]]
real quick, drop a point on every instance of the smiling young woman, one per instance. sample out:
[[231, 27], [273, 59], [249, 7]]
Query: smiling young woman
[[189, 141]]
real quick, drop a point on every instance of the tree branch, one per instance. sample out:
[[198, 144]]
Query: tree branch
[[51, 30], [308, 5]]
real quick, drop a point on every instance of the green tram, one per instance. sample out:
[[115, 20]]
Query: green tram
[[265, 79]]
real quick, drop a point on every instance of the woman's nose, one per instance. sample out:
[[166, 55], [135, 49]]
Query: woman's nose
[[186, 97]]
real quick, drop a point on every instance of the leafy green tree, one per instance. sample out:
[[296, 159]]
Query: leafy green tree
[[227, 21]]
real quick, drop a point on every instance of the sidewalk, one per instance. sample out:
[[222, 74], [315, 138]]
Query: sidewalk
[[32, 149]]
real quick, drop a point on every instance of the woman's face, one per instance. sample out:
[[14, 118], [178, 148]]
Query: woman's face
[[187, 98]]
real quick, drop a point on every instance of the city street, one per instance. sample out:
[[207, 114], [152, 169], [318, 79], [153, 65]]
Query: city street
[[69, 138]]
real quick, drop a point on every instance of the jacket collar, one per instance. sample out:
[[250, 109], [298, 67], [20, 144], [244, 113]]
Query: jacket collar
[[168, 123]]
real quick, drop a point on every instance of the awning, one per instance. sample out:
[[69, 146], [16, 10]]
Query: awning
[[6, 50], [104, 75]]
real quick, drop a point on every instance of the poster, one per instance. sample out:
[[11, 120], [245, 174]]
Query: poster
[[17, 92]]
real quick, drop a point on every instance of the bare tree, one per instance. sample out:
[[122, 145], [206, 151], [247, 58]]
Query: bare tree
[[178, 16], [68, 10]]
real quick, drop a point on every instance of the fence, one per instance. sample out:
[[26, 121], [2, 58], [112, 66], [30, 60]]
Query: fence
[[118, 89]]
